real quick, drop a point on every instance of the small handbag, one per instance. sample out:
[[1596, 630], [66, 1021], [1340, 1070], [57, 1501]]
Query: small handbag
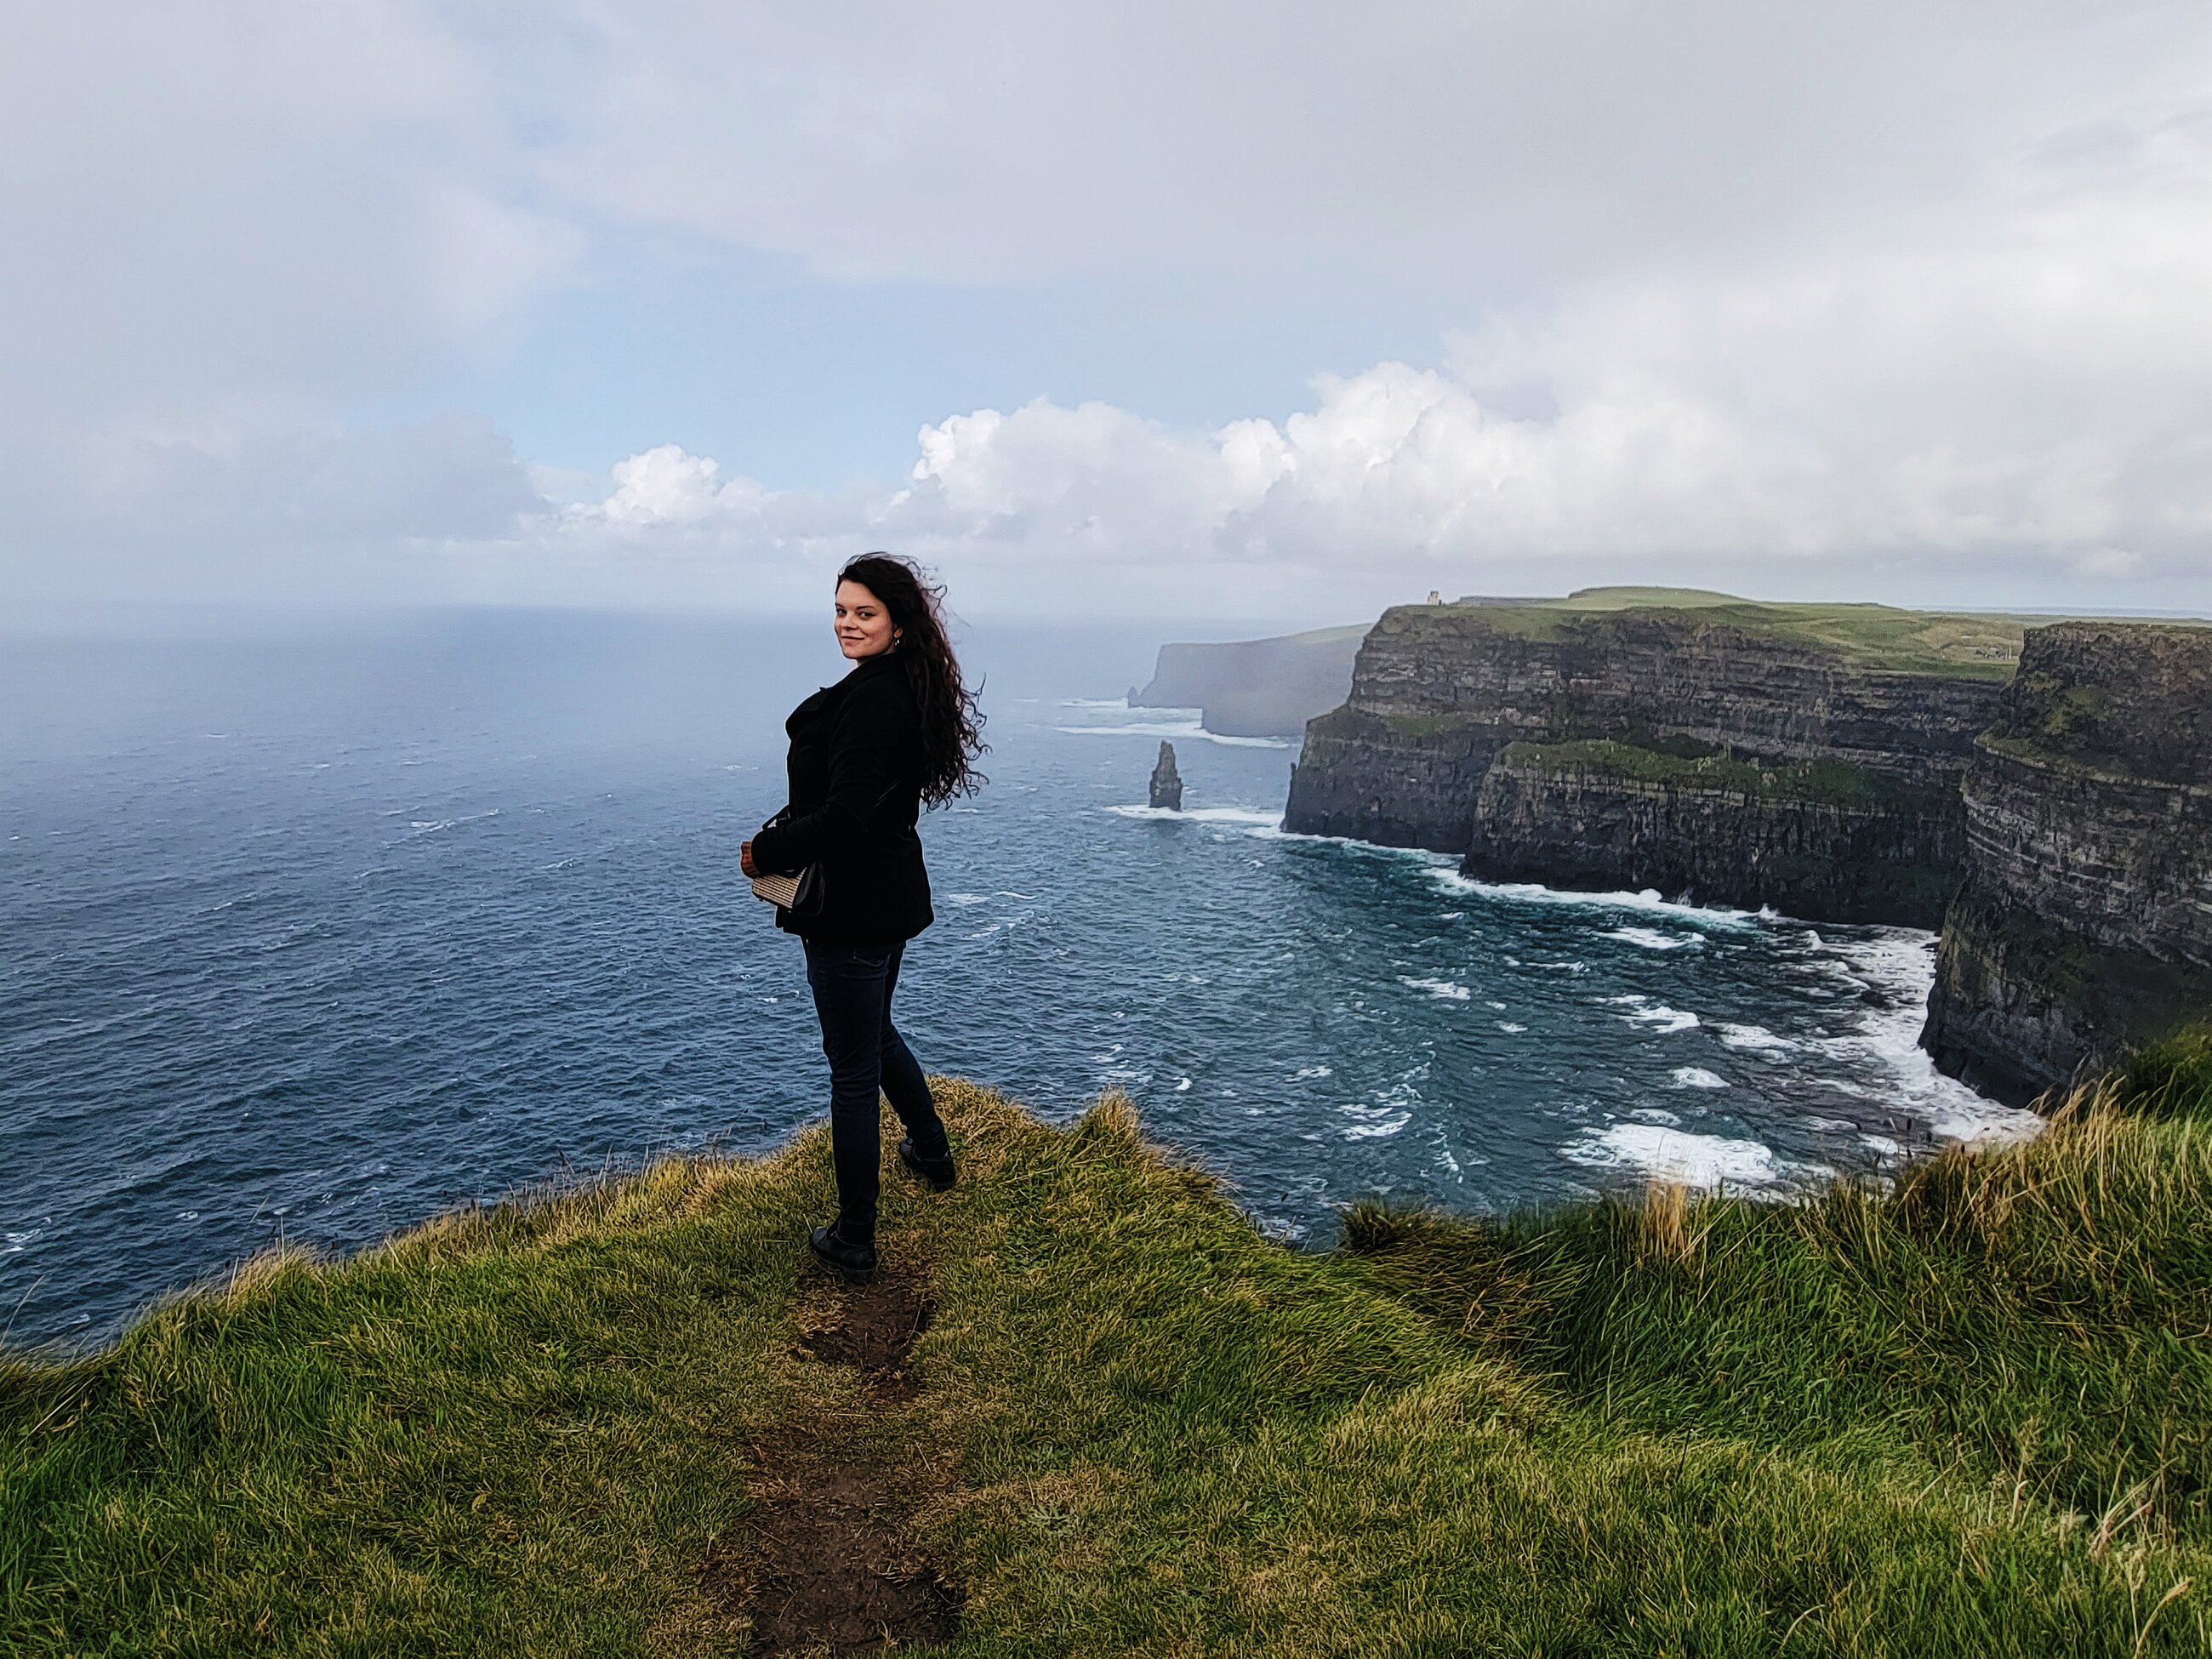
[[801, 894]]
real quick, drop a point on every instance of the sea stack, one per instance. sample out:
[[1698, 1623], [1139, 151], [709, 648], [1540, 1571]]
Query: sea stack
[[1167, 782]]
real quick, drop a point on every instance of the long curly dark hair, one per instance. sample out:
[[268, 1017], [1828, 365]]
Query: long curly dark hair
[[952, 724]]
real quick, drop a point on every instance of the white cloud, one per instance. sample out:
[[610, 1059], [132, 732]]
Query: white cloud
[[1495, 144], [246, 207], [666, 486], [2031, 383], [1796, 293]]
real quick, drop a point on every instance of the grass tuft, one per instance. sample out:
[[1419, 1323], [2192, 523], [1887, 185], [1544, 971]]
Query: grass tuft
[[2171, 1079]]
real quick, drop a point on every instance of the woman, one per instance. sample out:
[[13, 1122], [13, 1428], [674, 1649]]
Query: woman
[[898, 731]]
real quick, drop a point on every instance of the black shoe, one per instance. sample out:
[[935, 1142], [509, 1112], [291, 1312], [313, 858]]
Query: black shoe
[[939, 1171], [856, 1261]]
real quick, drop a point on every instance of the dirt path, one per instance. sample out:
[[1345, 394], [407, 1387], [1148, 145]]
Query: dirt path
[[826, 1565]]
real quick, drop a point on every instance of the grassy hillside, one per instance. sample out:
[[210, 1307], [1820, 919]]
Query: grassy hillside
[[1637, 598], [1327, 637], [1973, 1416]]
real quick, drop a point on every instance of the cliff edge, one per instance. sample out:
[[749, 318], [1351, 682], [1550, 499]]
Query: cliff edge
[[2085, 923], [1801, 757], [1087, 1394]]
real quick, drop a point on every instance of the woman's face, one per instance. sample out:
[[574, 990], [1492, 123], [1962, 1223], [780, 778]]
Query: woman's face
[[864, 627]]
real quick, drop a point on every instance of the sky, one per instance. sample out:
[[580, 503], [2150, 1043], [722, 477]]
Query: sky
[[1273, 312]]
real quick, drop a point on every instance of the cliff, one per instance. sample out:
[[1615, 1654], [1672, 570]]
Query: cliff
[[1838, 842], [1804, 756], [2084, 925], [1254, 688]]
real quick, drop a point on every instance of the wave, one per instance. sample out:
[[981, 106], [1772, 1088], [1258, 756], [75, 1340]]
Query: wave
[[1642, 1011], [1182, 731], [1442, 989], [1756, 1038], [1377, 1122], [418, 828], [1650, 939], [1708, 1163], [1898, 964], [1697, 915], [1268, 825]]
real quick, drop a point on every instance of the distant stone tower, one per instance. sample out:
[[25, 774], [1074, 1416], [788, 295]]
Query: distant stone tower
[[1167, 782]]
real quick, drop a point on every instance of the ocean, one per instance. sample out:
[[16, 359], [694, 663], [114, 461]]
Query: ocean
[[312, 931]]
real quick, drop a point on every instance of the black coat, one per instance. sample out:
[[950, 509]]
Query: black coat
[[855, 769]]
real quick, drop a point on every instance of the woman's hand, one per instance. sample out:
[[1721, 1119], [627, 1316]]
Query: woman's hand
[[745, 859]]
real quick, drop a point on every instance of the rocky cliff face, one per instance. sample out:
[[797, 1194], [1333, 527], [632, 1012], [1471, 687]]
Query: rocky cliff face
[[1712, 752], [1254, 688], [2085, 922], [1826, 842], [1400, 781], [1515, 674]]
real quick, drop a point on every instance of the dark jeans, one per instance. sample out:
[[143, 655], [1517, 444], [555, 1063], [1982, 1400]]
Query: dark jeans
[[852, 986]]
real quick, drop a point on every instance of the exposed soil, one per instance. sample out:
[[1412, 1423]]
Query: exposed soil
[[873, 1328], [826, 1564]]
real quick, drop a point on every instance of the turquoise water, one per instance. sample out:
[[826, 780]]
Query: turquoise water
[[311, 936]]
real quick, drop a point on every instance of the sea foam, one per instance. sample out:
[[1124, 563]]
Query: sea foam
[[1639, 1010], [1177, 725], [1706, 1161], [1697, 1077], [1649, 900], [1899, 964], [1650, 939], [1443, 988]]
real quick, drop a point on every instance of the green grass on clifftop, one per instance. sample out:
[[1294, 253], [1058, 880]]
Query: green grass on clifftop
[[1879, 637], [1974, 1416]]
